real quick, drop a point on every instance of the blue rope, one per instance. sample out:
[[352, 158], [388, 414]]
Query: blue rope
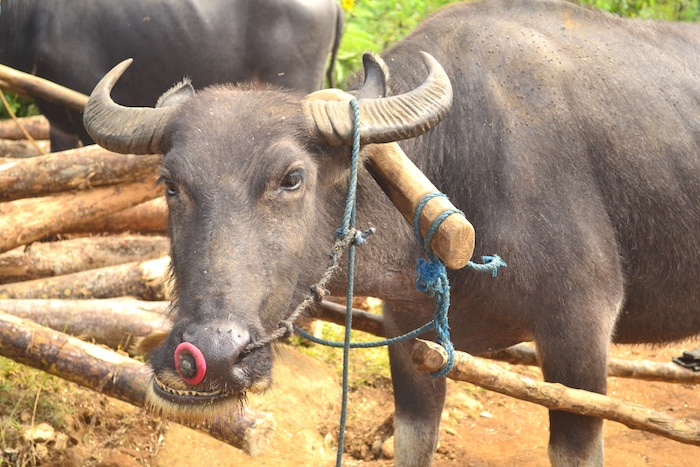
[[348, 223], [367, 345], [490, 264], [432, 279]]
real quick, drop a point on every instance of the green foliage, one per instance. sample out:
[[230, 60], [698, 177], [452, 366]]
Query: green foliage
[[669, 10], [366, 365], [21, 106], [373, 25]]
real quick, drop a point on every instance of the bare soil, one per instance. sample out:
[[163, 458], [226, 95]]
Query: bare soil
[[479, 428]]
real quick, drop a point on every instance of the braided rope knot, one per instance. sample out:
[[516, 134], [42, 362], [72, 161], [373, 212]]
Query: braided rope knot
[[431, 277], [432, 280], [359, 237]]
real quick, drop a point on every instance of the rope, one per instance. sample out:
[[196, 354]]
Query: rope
[[367, 345], [432, 279], [348, 223], [490, 264]]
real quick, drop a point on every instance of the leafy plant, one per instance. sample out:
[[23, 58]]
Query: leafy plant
[[669, 10], [373, 25], [21, 106]]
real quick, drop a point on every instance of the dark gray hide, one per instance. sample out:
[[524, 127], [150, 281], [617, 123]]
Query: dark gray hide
[[573, 146], [75, 42]]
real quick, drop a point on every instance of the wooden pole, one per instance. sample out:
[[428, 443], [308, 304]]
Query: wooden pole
[[111, 322], [30, 85], [36, 126], [116, 376], [523, 354], [148, 217], [11, 150], [26, 220], [361, 320], [429, 356], [74, 169], [146, 280], [406, 186], [48, 259]]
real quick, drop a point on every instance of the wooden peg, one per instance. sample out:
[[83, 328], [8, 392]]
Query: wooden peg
[[406, 186]]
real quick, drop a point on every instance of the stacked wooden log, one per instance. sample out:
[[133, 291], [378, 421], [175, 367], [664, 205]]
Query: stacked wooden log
[[83, 253]]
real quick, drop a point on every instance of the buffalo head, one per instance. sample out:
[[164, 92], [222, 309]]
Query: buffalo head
[[252, 182]]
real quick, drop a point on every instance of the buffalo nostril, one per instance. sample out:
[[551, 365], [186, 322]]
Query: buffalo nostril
[[190, 363], [188, 367]]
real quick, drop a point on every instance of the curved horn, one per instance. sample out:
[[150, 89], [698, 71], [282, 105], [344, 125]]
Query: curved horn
[[329, 116], [128, 130]]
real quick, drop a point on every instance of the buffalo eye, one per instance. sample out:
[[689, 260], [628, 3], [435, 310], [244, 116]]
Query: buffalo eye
[[170, 187], [291, 181]]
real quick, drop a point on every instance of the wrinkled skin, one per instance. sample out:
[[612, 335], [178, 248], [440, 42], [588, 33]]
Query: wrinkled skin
[[74, 43], [573, 146]]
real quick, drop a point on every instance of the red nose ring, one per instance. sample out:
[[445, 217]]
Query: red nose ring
[[190, 363]]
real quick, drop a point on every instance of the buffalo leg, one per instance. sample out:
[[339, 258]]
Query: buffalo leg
[[62, 140], [419, 399], [578, 361]]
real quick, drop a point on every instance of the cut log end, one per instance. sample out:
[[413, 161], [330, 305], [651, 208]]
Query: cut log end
[[428, 356]]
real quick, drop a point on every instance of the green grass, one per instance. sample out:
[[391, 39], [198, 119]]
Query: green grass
[[667, 10], [367, 366], [28, 395], [373, 25]]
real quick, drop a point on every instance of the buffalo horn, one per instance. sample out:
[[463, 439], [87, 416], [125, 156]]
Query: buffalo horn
[[382, 120], [128, 130]]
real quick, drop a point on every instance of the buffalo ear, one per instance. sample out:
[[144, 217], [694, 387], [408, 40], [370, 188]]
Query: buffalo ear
[[177, 94], [376, 78]]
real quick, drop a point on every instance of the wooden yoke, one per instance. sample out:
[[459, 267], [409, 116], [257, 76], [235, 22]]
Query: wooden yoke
[[406, 186]]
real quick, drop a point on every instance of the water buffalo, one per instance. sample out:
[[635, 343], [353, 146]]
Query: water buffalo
[[75, 42], [572, 144]]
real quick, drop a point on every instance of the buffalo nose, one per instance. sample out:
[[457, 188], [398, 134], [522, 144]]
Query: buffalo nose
[[212, 350]]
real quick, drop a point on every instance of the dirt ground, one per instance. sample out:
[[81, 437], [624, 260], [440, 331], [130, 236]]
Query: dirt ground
[[479, 428]]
